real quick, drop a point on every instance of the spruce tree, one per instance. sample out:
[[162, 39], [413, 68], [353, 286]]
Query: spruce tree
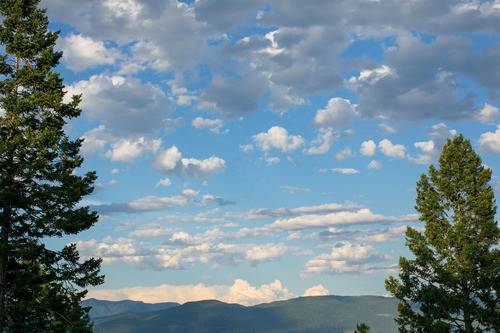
[[362, 328], [452, 282], [40, 288]]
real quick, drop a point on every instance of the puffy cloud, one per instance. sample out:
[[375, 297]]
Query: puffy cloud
[[374, 164], [387, 128], [81, 52], [430, 149], [392, 150], [171, 161], [278, 138], [124, 105], [241, 292], [165, 182], [213, 125], [318, 290], [127, 150], [490, 141], [343, 154], [488, 114], [246, 148], [372, 76], [265, 252], [322, 143], [368, 148], [339, 112], [345, 258], [94, 140], [357, 217]]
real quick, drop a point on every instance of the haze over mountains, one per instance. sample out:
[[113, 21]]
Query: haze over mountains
[[320, 314]]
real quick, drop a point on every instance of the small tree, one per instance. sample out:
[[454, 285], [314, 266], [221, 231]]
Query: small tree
[[40, 289], [452, 284], [362, 328]]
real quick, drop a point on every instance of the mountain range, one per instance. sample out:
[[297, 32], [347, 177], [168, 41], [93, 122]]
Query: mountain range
[[318, 314]]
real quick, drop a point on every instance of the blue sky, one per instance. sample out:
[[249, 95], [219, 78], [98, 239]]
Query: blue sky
[[251, 151]]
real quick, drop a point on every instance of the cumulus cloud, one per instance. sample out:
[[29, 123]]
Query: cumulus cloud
[[240, 292], [265, 252], [430, 149], [392, 150], [339, 112], [127, 150], [278, 138], [165, 182], [346, 258], [213, 125], [321, 145], [488, 114], [343, 154], [267, 213], [170, 161], [490, 141], [318, 290], [81, 52], [368, 148], [144, 204], [345, 171], [374, 164], [124, 105]]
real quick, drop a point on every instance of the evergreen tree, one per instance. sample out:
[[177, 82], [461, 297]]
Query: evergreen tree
[[362, 328], [40, 288], [452, 284]]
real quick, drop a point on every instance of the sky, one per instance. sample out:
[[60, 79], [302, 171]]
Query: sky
[[258, 150]]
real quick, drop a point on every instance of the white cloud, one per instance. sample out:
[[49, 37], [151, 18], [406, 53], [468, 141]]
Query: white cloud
[[345, 171], [152, 202], [241, 292], [392, 150], [345, 258], [295, 189], [338, 112], [361, 216], [374, 164], [430, 149], [343, 154], [490, 141], [372, 76], [171, 161], [266, 213], [165, 182], [318, 290], [488, 114], [94, 140], [246, 148], [127, 150], [81, 53], [368, 148], [149, 233], [278, 138], [265, 252], [213, 125], [322, 143]]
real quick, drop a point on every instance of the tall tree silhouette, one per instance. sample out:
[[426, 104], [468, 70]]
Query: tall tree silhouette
[[452, 283], [40, 288]]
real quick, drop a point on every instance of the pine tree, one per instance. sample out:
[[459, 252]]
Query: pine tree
[[362, 328], [40, 288], [452, 283]]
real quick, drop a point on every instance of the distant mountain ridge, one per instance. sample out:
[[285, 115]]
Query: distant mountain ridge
[[319, 314], [101, 308]]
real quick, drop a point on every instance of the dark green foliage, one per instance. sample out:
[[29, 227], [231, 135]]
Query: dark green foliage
[[452, 284], [321, 314], [362, 328], [40, 288]]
